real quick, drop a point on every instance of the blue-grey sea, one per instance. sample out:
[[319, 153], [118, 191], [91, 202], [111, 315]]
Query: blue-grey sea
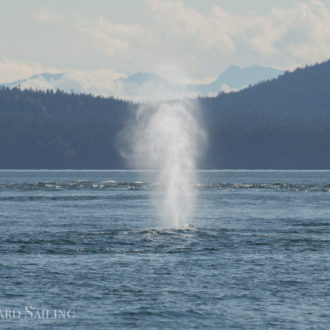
[[85, 250]]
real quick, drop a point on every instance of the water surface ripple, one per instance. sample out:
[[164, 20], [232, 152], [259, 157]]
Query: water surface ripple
[[254, 256]]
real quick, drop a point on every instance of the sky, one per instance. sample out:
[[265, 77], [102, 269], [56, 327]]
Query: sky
[[182, 40]]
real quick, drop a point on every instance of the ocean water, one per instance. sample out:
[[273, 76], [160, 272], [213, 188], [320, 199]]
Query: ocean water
[[85, 250]]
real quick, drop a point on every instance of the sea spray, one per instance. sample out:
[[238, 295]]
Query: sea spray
[[167, 137]]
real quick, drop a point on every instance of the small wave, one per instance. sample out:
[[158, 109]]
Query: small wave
[[109, 182], [66, 198], [75, 185], [277, 186], [159, 241], [139, 185], [96, 242]]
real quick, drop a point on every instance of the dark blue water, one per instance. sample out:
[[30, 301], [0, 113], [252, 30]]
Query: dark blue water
[[80, 251]]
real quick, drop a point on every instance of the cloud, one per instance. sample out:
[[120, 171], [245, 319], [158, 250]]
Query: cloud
[[203, 44], [46, 15], [98, 82], [180, 25], [12, 69], [306, 32], [282, 37], [110, 37]]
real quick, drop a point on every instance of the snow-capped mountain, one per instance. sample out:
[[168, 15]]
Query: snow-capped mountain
[[144, 86]]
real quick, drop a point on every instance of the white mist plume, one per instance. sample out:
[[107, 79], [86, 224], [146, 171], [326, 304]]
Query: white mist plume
[[168, 138]]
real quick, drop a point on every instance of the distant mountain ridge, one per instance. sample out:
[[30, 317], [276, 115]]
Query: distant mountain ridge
[[143, 85], [237, 78], [46, 76]]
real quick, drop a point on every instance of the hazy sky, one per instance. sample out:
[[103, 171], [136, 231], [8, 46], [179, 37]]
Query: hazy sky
[[193, 39]]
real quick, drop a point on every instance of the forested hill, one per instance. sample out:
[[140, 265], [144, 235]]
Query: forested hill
[[282, 123], [57, 130]]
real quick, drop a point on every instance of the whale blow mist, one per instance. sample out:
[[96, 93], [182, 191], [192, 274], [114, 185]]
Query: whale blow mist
[[168, 138]]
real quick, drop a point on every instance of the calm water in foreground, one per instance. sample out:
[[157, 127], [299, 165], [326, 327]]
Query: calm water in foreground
[[80, 251]]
